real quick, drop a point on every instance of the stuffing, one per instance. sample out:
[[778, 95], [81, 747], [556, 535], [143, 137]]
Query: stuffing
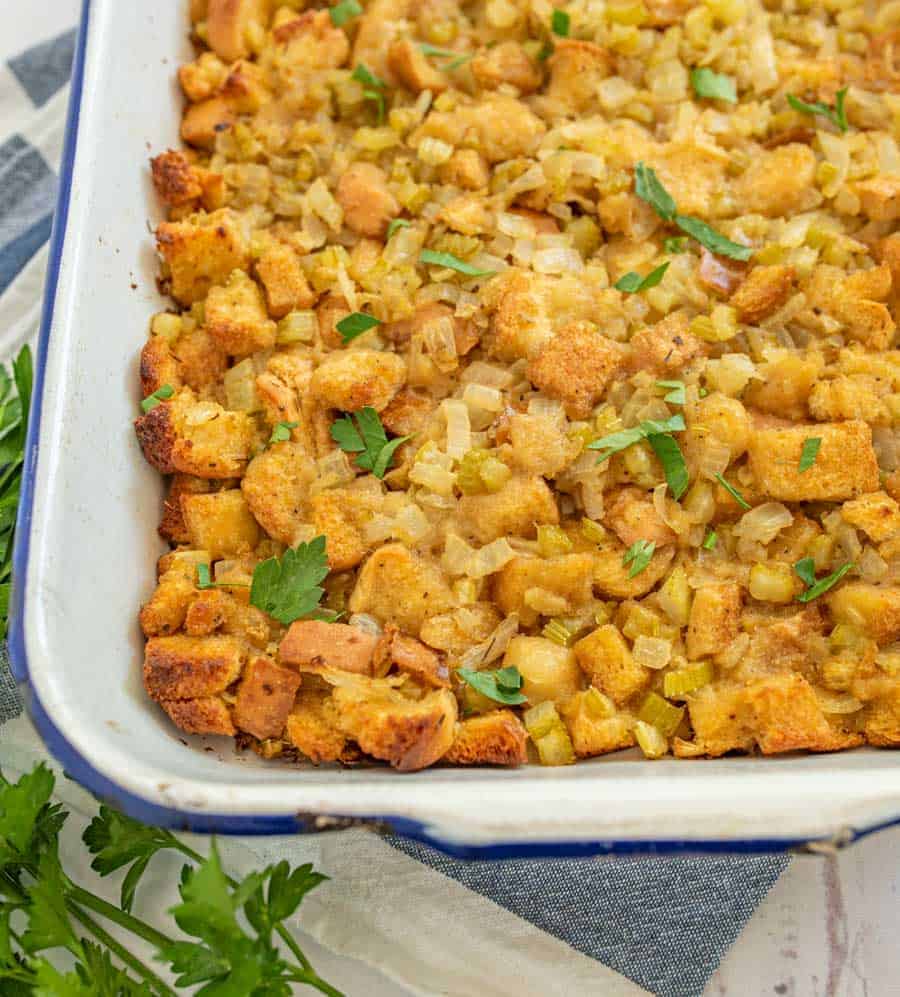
[[312, 728], [314, 646], [606, 659], [576, 70], [200, 256], [264, 698], [517, 508], [368, 204], [231, 24], [594, 729], [666, 346], [763, 291], [220, 523], [283, 281], [611, 576], [526, 585], [182, 667], [872, 608], [506, 63], [715, 619], [778, 182], [275, 488], [236, 316], [411, 67], [495, 738], [355, 379], [632, 516]]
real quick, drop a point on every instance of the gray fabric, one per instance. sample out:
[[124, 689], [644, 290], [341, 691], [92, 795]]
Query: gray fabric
[[10, 701], [44, 69], [27, 194], [664, 922]]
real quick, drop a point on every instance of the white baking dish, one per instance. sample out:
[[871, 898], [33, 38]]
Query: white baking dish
[[87, 545]]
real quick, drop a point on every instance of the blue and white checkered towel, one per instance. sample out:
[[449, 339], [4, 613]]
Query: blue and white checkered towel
[[622, 926]]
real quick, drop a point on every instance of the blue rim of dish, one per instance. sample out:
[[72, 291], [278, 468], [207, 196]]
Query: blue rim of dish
[[105, 789]]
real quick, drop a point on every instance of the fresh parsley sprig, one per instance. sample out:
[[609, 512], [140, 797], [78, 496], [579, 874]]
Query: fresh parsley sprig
[[51, 911], [806, 572], [633, 283], [676, 392], [281, 432], [659, 435], [373, 89], [287, 588], [362, 433], [836, 115], [502, 685], [649, 188], [639, 555]]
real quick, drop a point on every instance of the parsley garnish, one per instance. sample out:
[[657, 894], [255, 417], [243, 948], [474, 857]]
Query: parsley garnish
[[397, 223], [546, 51], [612, 444], [712, 85], [355, 325], [457, 58], [836, 115], [639, 555], [429, 256], [806, 572], [672, 459], [502, 685], [13, 425], [648, 188], [710, 540], [733, 492], [368, 439], [675, 244], [281, 432], [633, 282], [676, 392], [342, 12], [560, 23], [809, 453], [373, 88], [204, 580], [287, 588], [160, 395]]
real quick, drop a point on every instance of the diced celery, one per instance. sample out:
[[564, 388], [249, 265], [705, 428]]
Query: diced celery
[[468, 474], [552, 541], [593, 531], [557, 631], [597, 705], [494, 474], [676, 684], [540, 719], [674, 597], [661, 714], [651, 742], [297, 327], [555, 748]]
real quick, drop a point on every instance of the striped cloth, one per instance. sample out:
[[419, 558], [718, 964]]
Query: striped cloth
[[436, 925]]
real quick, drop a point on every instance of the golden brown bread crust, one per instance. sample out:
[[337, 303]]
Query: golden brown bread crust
[[204, 715], [496, 738], [182, 667], [265, 697]]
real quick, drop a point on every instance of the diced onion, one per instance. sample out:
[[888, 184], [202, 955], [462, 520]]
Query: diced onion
[[481, 396], [332, 470], [515, 226], [763, 524], [494, 646], [559, 259], [323, 204], [459, 430], [368, 624], [479, 372], [433, 151], [872, 566], [490, 559], [652, 652], [457, 555], [714, 458], [240, 387]]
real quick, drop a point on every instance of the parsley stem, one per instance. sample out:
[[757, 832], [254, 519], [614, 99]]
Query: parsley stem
[[311, 979], [117, 916], [114, 946]]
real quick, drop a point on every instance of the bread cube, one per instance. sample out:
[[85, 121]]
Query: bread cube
[[265, 698], [548, 670], [181, 667], [522, 504], [236, 316], [201, 252], [275, 489], [220, 523], [875, 609], [715, 619], [876, 514], [353, 379], [316, 646], [495, 738], [568, 579], [605, 657]]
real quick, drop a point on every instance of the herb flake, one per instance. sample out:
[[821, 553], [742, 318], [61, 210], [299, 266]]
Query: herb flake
[[672, 459], [714, 241], [363, 434], [836, 115], [502, 685], [733, 492], [560, 23], [633, 282], [160, 395], [710, 540], [281, 432], [342, 12], [356, 324], [397, 223], [638, 555], [615, 442], [712, 85], [676, 392], [648, 188], [432, 258], [806, 572], [809, 453]]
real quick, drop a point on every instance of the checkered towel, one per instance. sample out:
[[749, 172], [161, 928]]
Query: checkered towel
[[622, 926]]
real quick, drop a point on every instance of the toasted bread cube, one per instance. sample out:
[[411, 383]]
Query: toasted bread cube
[[605, 657], [202, 78], [720, 719], [284, 282], [397, 586], [764, 290], [874, 609], [201, 255], [466, 168], [352, 379], [777, 182], [165, 611], [666, 346], [518, 508], [506, 63], [158, 366], [265, 698], [409, 733], [846, 465], [231, 23], [368, 203], [406, 413], [176, 180], [220, 523], [203, 715], [788, 382], [848, 398], [495, 738], [548, 670], [715, 619], [199, 438], [567, 579], [593, 733], [879, 198], [409, 655], [576, 70], [202, 122], [411, 66], [576, 366], [882, 719], [236, 316], [181, 667], [611, 576], [315, 646], [275, 488], [876, 514], [541, 445], [312, 728], [786, 716], [171, 526], [312, 42], [455, 633], [216, 610], [340, 515], [632, 516]]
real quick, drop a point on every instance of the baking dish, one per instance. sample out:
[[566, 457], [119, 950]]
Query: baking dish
[[84, 547]]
